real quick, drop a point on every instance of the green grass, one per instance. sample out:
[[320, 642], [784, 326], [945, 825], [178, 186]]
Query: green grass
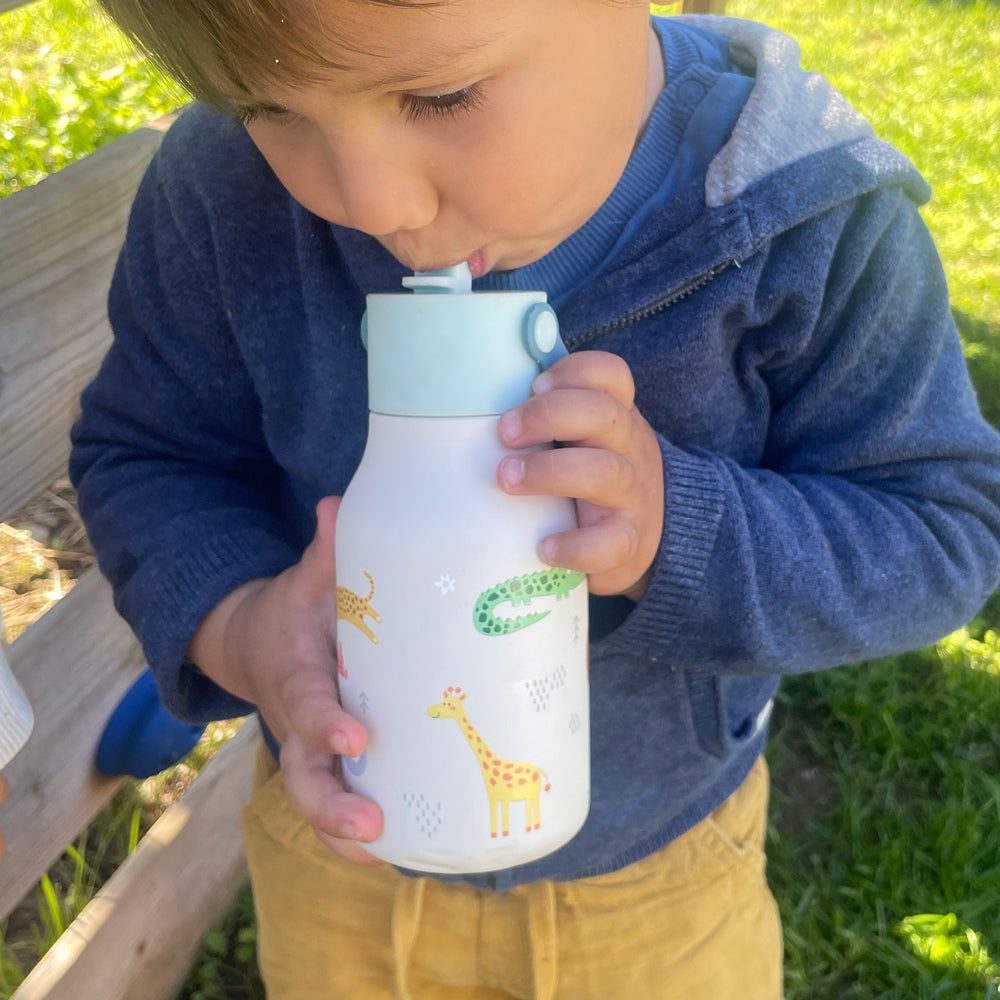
[[70, 885], [68, 83], [882, 847], [91, 860], [886, 805]]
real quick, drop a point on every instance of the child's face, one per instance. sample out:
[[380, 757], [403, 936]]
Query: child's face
[[478, 130]]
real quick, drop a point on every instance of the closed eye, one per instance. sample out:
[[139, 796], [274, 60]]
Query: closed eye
[[247, 113], [453, 105]]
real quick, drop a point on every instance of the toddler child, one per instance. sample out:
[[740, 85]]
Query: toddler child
[[776, 456]]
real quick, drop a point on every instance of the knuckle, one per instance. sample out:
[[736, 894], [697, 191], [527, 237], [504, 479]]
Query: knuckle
[[619, 375], [630, 537], [537, 467], [624, 475], [313, 816], [543, 410], [290, 691]]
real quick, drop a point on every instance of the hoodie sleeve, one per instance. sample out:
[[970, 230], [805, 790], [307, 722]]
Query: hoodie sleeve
[[176, 485], [871, 523]]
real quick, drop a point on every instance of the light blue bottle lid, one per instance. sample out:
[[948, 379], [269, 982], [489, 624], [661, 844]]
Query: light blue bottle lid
[[446, 351]]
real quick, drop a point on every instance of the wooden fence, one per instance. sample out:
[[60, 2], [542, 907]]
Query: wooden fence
[[135, 940]]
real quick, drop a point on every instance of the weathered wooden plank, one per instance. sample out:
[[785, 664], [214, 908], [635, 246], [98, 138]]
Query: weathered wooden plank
[[58, 244], [74, 663], [136, 939], [12, 4]]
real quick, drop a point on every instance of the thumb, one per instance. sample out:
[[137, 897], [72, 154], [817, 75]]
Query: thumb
[[319, 561]]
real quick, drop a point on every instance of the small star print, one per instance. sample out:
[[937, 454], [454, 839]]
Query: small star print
[[445, 584]]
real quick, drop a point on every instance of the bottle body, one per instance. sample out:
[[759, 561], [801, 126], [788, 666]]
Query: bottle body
[[16, 718], [463, 654]]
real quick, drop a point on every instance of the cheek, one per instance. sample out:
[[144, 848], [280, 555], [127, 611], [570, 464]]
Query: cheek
[[513, 174], [302, 168], [558, 178], [559, 152]]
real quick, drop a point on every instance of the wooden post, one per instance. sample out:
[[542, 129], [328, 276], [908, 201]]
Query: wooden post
[[703, 7]]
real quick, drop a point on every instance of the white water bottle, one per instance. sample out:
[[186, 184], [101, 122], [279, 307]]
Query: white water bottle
[[464, 655], [16, 719]]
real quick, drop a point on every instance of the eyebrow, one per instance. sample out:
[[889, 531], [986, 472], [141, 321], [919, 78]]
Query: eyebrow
[[404, 74]]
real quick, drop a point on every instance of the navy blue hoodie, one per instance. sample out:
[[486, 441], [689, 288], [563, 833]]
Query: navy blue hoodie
[[831, 489]]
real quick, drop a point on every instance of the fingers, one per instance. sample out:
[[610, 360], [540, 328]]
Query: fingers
[[573, 416], [603, 477], [613, 469], [340, 818], [584, 398], [597, 549], [595, 370], [315, 716]]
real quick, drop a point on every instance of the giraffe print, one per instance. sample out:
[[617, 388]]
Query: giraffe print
[[506, 781]]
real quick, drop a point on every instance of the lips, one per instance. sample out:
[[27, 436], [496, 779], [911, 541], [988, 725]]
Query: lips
[[478, 264], [477, 261]]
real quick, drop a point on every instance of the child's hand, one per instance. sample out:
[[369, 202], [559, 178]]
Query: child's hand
[[614, 469], [272, 642]]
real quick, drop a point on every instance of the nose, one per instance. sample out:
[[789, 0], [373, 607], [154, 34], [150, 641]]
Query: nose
[[383, 185]]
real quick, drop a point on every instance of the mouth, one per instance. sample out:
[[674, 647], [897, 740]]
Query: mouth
[[477, 261], [478, 264]]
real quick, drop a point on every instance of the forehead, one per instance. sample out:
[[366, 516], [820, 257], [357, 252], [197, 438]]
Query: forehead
[[362, 45]]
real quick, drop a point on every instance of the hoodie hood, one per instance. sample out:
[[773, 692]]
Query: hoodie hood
[[790, 113]]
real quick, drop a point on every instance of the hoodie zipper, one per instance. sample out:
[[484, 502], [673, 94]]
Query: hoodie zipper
[[658, 305]]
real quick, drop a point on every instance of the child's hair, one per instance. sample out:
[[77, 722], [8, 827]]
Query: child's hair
[[226, 52]]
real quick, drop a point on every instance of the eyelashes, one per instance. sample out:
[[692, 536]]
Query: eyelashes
[[248, 113], [452, 105], [416, 108]]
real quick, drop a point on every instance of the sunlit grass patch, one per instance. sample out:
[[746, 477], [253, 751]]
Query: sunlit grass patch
[[941, 940], [68, 83]]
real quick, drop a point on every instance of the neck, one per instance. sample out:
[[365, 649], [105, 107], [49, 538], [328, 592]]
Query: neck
[[473, 738], [656, 76]]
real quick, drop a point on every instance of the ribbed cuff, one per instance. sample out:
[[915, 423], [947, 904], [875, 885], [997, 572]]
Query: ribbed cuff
[[693, 504], [167, 604]]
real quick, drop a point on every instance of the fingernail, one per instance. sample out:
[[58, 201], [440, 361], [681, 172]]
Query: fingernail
[[542, 383], [547, 550], [349, 831], [510, 425], [512, 471], [339, 743]]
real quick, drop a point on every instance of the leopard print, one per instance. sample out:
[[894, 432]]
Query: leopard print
[[354, 609]]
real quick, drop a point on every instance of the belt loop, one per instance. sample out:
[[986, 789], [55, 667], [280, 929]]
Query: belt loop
[[406, 910], [544, 941]]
